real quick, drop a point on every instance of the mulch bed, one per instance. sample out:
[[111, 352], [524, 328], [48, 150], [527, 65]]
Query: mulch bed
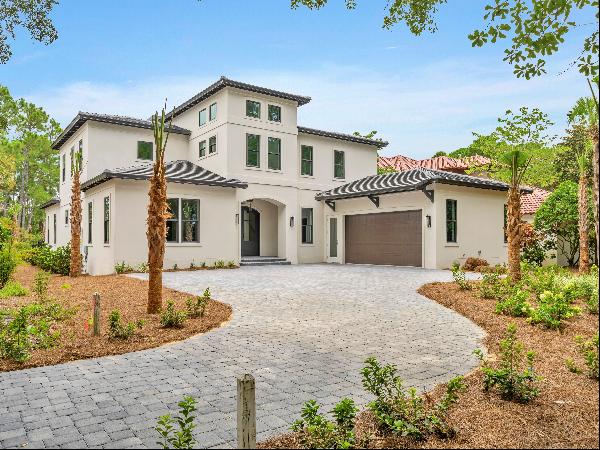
[[126, 294], [565, 415]]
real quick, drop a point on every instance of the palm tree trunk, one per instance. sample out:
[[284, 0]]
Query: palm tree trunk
[[584, 250], [156, 233], [75, 269], [513, 229]]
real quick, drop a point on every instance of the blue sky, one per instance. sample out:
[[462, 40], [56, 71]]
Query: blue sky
[[422, 94]]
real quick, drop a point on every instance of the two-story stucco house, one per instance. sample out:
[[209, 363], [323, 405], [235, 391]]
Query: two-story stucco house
[[246, 181]]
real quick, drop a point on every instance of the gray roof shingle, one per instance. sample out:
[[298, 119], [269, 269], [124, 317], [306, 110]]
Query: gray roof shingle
[[343, 136], [410, 180], [176, 172], [52, 201]]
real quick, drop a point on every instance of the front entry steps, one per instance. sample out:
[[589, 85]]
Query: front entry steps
[[263, 261]]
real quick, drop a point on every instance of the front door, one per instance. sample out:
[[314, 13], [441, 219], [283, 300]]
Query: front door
[[250, 231]]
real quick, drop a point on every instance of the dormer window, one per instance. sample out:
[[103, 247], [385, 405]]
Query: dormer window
[[212, 112], [144, 151], [202, 117], [274, 113], [253, 109]]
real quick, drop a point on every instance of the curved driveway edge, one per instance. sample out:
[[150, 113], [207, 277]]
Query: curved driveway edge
[[303, 331]]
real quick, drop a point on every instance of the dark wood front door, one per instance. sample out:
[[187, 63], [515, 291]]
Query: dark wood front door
[[250, 232], [393, 238]]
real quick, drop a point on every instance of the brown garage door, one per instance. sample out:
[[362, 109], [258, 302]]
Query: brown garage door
[[384, 238]]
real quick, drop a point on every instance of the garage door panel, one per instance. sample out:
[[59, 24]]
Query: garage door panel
[[393, 238]]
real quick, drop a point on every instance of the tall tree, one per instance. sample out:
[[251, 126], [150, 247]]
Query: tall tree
[[517, 132], [158, 213], [536, 29], [34, 15], [76, 214]]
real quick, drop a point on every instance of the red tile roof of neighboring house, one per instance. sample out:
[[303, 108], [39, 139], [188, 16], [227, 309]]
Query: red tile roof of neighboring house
[[401, 163], [531, 202]]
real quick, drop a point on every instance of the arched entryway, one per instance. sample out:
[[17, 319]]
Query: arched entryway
[[262, 228]]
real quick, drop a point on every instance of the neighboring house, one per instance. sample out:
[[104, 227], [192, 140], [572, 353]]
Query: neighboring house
[[400, 163], [246, 181]]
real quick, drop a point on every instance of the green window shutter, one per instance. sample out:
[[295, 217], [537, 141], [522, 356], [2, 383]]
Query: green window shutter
[[274, 157], [202, 117], [145, 150], [306, 157], [252, 150], [339, 169], [202, 149], [253, 109], [274, 113]]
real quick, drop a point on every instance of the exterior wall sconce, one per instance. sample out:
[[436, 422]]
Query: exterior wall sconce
[[428, 217], [291, 221]]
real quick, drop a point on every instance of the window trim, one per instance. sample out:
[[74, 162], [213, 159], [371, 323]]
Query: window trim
[[105, 221], [248, 100], [151, 151], [310, 226], [269, 105], [257, 166], [269, 140], [90, 222], [449, 220], [210, 109], [343, 153], [311, 174]]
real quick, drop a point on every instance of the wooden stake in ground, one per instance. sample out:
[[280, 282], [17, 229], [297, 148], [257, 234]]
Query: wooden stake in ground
[[158, 213], [96, 319], [246, 412], [75, 268]]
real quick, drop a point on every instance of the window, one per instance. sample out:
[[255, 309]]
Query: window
[[54, 229], [252, 150], [202, 149], [253, 109], [274, 156], [505, 223], [307, 225], [173, 221], [81, 145], [90, 217], [451, 221], [274, 113], [190, 210], [64, 166], [144, 150], [107, 220], [212, 112], [48, 229], [72, 160], [212, 145], [66, 217], [306, 160], [202, 117], [339, 170]]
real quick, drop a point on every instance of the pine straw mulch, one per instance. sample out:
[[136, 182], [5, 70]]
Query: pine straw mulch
[[565, 415], [126, 294]]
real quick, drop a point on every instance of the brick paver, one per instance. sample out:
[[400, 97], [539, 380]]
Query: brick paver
[[302, 331]]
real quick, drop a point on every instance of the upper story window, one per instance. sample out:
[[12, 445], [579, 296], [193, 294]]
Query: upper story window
[[274, 156], [145, 150], [306, 160], [451, 222], [64, 166], [72, 160], [339, 164], [107, 219], [212, 145], [253, 109], [307, 225], [252, 150], [212, 112], [90, 219], [202, 117], [274, 113], [66, 217], [202, 148]]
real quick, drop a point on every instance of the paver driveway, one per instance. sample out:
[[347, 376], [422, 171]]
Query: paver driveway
[[302, 331]]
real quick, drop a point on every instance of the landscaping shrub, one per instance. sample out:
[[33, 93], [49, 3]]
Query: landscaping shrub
[[515, 305], [197, 305], [8, 263], [13, 289], [171, 318], [184, 436], [123, 267], [118, 330], [317, 432], [143, 267], [491, 285], [231, 265], [532, 247], [541, 279], [219, 264], [460, 278], [401, 411], [40, 285], [552, 310], [55, 261], [589, 351], [472, 263], [515, 377]]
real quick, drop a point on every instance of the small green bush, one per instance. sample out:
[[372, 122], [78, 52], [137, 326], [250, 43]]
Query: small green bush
[[8, 264], [515, 377], [516, 305], [460, 278], [40, 285], [219, 264], [143, 267], [184, 437], [118, 330], [231, 265], [13, 289], [552, 310], [589, 351], [123, 267], [318, 432], [54, 261], [490, 286], [171, 318], [196, 306]]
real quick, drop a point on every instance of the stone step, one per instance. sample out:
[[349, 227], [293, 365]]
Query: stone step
[[261, 258], [276, 262]]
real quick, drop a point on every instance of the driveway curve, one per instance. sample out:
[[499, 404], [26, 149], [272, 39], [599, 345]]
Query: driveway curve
[[303, 331]]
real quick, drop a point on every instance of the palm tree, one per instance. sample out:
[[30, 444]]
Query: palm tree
[[158, 213], [75, 268]]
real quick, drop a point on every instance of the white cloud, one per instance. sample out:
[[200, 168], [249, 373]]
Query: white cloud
[[418, 110]]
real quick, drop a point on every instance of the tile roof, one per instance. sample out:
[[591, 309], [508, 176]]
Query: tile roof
[[83, 117], [343, 136], [176, 172], [224, 82], [410, 180], [400, 163], [532, 201]]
